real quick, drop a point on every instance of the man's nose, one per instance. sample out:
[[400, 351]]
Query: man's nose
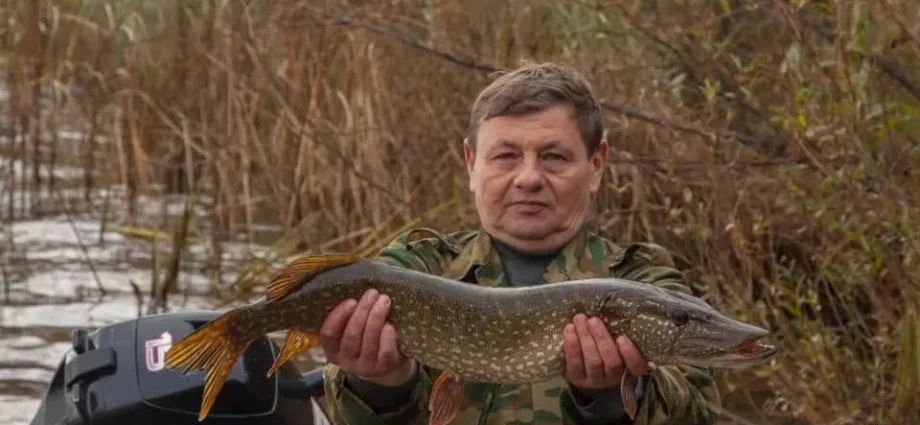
[[529, 175]]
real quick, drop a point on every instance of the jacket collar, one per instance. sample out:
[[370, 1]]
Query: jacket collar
[[585, 256]]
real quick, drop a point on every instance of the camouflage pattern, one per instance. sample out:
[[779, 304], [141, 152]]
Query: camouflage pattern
[[674, 394]]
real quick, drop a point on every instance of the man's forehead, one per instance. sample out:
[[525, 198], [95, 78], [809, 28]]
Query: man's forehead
[[552, 143]]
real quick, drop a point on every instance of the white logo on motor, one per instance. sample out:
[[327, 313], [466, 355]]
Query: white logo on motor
[[156, 351]]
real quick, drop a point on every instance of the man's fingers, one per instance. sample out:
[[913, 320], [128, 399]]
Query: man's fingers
[[610, 354], [389, 349], [354, 331], [376, 318], [636, 364], [574, 363], [330, 333], [594, 364]]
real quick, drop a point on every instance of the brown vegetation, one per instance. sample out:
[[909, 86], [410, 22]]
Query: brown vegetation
[[772, 145]]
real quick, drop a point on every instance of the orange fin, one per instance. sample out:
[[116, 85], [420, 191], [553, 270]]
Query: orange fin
[[628, 394], [295, 343], [446, 396], [301, 270], [211, 348]]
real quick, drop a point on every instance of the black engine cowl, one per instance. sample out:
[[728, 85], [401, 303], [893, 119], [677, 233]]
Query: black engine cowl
[[115, 375]]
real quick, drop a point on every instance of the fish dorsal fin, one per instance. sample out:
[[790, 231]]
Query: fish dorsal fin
[[302, 270]]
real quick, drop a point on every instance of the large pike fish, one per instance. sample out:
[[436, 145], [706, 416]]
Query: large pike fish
[[472, 333]]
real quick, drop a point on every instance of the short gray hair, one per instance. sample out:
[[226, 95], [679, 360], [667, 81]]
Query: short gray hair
[[534, 87]]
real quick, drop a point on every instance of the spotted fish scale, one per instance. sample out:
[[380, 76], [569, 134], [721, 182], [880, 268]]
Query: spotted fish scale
[[484, 334]]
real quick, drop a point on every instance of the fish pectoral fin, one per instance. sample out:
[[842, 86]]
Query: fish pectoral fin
[[446, 396], [295, 342], [301, 270], [628, 394]]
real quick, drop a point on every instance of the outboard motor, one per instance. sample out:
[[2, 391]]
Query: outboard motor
[[116, 375]]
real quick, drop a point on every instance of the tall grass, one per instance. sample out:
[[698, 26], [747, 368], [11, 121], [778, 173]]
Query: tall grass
[[771, 145]]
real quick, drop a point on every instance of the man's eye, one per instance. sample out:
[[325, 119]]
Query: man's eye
[[554, 157], [505, 155]]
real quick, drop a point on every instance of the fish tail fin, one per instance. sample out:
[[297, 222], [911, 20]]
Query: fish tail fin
[[214, 348]]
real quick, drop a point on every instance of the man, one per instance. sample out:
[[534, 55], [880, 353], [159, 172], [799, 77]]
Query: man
[[535, 154]]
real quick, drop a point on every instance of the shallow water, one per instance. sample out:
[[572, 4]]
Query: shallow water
[[51, 268], [52, 291]]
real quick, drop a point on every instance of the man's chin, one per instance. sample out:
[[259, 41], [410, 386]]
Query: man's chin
[[533, 240], [529, 230]]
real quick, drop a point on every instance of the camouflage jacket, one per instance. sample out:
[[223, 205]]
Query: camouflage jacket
[[673, 394]]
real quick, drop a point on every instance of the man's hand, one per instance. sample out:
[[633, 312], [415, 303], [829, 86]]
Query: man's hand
[[593, 360], [357, 338]]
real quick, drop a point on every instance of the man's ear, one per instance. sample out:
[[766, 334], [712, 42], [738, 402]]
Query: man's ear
[[469, 155], [599, 164]]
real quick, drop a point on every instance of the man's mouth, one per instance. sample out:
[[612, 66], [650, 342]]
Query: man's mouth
[[528, 204], [527, 207]]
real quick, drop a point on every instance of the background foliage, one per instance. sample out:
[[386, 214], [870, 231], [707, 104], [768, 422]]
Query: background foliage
[[772, 145]]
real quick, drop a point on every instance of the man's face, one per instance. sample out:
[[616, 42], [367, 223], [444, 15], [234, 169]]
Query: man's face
[[532, 177]]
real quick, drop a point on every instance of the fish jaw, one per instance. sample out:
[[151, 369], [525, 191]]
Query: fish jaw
[[671, 327], [740, 348]]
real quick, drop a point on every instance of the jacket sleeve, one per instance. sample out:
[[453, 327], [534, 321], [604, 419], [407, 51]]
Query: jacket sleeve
[[605, 408], [344, 406], [672, 394], [350, 401]]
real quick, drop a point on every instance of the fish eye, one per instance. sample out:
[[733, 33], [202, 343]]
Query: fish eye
[[679, 317]]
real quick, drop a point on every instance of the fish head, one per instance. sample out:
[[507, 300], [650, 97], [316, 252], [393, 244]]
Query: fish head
[[671, 327]]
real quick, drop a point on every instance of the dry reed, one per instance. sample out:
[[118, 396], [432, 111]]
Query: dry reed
[[771, 145]]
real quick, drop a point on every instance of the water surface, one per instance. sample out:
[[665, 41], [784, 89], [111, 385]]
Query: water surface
[[52, 264]]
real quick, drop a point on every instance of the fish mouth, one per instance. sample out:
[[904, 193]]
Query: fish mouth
[[754, 349], [751, 351]]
